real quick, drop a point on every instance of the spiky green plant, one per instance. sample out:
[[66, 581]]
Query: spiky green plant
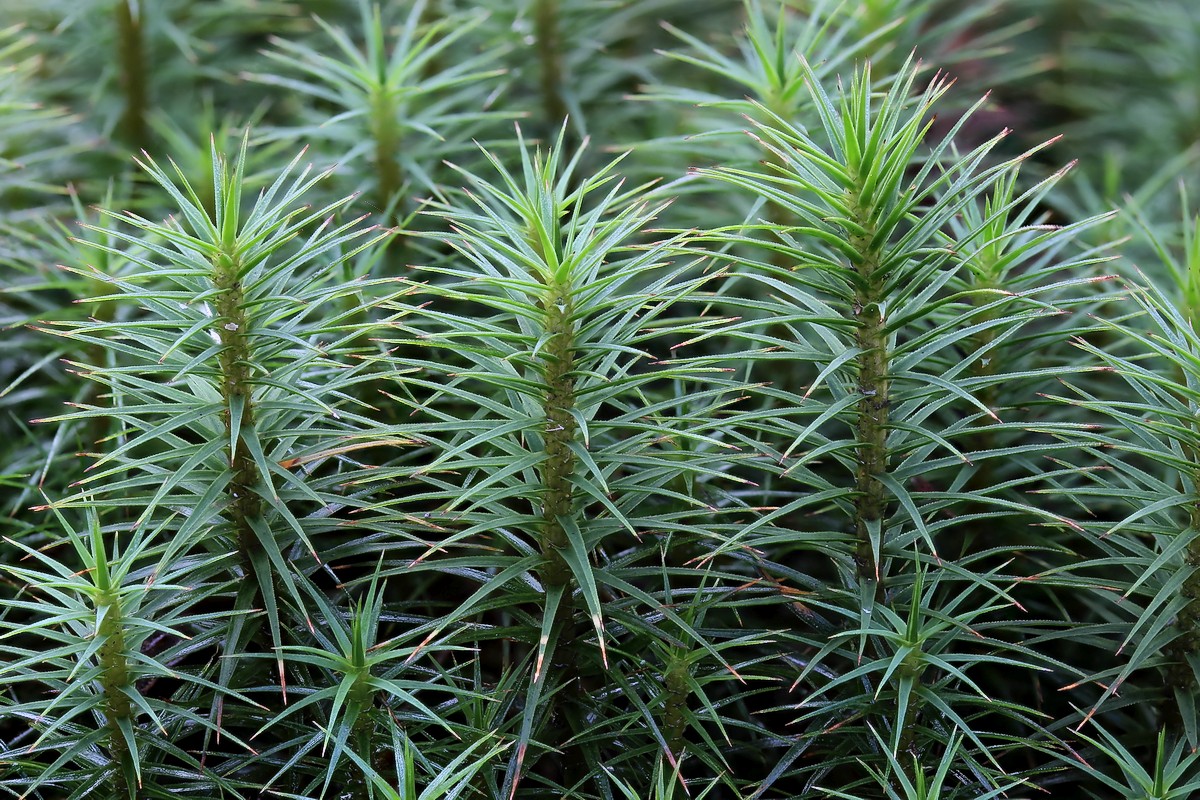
[[107, 620], [560, 433], [736, 467], [387, 104], [229, 333], [1149, 446], [892, 287], [117, 62]]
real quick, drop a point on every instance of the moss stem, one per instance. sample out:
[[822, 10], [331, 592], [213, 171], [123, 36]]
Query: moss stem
[[1180, 676], [362, 697], [557, 469], [131, 57], [549, 46], [389, 178], [245, 504], [675, 684], [984, 367], [114, 681], [559, 464], [873, 413], [433, 13]]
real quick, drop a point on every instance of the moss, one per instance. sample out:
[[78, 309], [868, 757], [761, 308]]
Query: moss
[[235, 362], [115, 682], [131, 58], [870, 503], [560, 432], [548, 34]]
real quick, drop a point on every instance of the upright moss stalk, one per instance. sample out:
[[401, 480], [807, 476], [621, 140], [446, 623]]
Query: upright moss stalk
[[386, 137], [557, 490], [131, 56], [235, 358], [1185, 269], [361, 698], [1181, 676], [871, 496], [675, 685], [880, 229], [992, 230], [985, 368], [384, 87], [115, 683], [432, 15], [1183, 650], [872, 265], [559, 434], [554, 339], [234, 330], [548, 33], [408, 104], [1159, 539]]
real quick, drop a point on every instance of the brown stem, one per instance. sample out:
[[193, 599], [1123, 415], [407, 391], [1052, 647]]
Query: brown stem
[[559, 464]]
